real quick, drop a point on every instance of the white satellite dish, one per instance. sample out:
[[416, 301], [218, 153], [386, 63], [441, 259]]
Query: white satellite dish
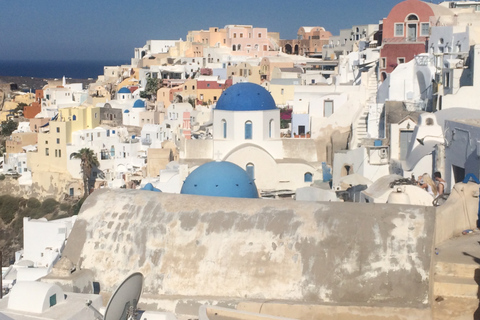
[[123, 303]]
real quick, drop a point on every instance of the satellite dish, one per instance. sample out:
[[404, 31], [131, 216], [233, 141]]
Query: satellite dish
[[123, 303]]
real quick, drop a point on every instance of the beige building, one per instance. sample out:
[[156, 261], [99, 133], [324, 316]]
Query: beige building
[[151, 117], [18, 140], [268, 64], [157, 159], [250, 71]]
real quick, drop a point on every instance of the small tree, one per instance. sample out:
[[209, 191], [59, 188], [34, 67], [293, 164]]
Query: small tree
[[150, 89], [8, 127], [88, 161], [20, 106]]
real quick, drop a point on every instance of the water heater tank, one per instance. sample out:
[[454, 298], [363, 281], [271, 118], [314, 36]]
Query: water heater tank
[[398, 196]]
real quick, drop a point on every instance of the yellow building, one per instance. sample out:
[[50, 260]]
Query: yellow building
[[245, 69], [26, 98], [49, 163], [189, 89], [80, 118], [282, 90], [213, 37]]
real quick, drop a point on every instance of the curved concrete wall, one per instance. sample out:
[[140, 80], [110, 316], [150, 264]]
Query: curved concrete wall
[[238, 249]]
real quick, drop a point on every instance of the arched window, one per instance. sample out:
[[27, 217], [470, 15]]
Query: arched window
[[271, 128], [250, 168], [248, 130], [412, 17], [234, 48], [74, 117], [224, 125], [308, 177], [239, 47]]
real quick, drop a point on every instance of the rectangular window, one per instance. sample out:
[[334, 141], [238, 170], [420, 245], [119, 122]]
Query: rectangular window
[[405, 138], [98, 134], [241, 35], [400, 60], [47, 152], [58, 129], [398, 29], [59, 153], [56, 153], [259, 35], [58, 140], [424, 29], [53, 300], [327, 108], [447, 80], [383, 63]]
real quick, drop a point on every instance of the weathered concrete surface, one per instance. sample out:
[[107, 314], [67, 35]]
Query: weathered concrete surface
[[337, 254], [458, 213], [325, 312]]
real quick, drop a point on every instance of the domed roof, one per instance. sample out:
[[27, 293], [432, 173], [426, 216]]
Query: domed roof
[[139, 104], [220, 179], [126, 111], [124, 90], [246, 96], [150, 187]]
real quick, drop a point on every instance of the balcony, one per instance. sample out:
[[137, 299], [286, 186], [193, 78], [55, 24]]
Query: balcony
[[405, 40], [146, 141]]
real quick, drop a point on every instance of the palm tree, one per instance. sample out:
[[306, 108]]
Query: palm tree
[[89, 160]]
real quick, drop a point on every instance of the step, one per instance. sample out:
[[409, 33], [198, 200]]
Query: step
[[446, 286], [447, 308], [461, 270]]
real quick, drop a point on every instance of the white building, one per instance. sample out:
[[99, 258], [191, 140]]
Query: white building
[[246, 131]]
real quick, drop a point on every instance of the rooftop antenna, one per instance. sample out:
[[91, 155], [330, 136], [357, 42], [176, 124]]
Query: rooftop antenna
[[123, 303]]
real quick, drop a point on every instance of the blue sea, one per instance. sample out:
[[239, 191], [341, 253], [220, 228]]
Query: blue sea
[[56, 69]]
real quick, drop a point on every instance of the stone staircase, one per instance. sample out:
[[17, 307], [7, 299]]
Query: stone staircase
[[360, 126], [457, 278]]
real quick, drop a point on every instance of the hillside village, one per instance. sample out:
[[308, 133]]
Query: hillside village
[[352, 117], [342, 100]]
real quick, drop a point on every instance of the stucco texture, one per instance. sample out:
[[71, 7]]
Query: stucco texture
[[371, 255]]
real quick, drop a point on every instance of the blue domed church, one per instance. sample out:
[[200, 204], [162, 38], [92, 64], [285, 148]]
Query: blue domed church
[[246, 132]]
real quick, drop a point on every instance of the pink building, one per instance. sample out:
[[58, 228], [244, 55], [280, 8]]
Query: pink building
[[249, 41], [406, 31]]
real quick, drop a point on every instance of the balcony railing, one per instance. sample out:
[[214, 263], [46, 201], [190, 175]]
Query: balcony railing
[[146, 141]]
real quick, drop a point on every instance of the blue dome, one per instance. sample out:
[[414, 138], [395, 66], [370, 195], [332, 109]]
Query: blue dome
[[220, 179], [124, 90], [139, 104], [246, 96], [150, 187], [126, 111]]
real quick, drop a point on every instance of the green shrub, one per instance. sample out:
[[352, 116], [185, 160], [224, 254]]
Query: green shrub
[[8, 207], [48, 206], [33, 203], [65, 207], [77, 206], [2, 177]]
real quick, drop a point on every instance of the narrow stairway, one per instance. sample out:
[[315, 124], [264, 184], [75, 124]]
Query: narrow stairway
[[457, 278]]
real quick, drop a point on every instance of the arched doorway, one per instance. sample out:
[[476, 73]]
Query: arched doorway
[[288, 48]]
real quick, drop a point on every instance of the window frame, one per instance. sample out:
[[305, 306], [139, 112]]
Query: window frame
[[396, 33]]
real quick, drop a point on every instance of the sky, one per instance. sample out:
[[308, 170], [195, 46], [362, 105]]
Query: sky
[[110, 30]]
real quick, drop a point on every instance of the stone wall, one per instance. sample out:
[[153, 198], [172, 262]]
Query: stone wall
[[201, 248]]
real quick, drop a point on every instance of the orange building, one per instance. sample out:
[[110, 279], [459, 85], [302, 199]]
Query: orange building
[[29, 112], [309, 42]]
